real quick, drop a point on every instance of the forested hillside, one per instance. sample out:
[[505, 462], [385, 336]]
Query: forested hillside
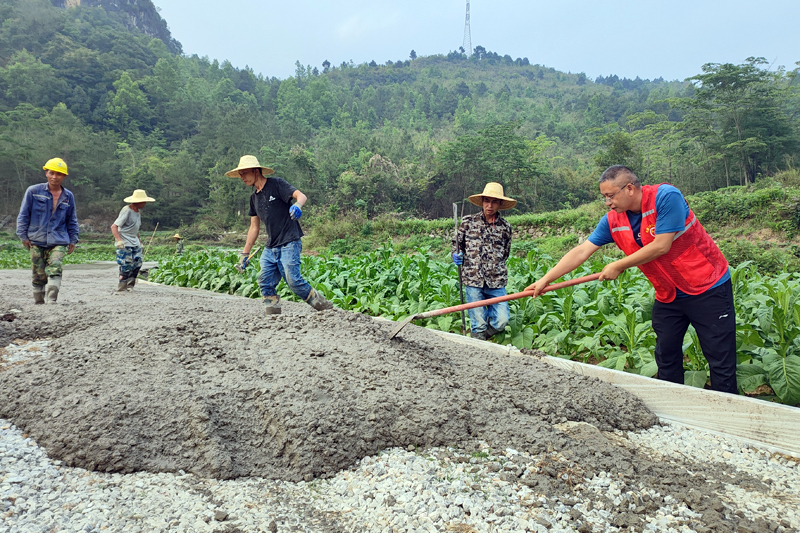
[[103, 84]]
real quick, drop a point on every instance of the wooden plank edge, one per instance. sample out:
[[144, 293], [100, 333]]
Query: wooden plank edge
[[771, 426]]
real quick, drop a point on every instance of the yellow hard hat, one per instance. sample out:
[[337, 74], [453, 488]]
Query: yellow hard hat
[[56, 165]]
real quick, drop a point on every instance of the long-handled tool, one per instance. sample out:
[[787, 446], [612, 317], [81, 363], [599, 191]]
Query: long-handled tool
[[491, 301], [460, 281], [151, 242], [239, 268]]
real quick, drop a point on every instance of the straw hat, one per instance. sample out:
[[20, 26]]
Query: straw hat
[[177, 236], [139, 196], [493, 190], [248, 161]]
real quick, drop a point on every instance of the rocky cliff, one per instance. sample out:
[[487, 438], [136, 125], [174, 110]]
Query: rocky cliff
[[141, 15]]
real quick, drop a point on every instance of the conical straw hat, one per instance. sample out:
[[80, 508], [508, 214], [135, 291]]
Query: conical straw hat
[[493, 190], [248, 161], [139, 196]]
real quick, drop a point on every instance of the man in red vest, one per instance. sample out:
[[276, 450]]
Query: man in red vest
[[658, 232]]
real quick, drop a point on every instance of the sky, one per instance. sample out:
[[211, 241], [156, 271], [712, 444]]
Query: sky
[[644, 38]]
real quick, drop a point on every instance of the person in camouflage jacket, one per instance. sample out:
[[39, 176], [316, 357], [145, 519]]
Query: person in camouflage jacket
[[482, 245]]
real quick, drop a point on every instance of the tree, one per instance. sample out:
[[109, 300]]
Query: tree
[[620, 150], [497, 153], [412, 55], [128, 109], [736, 111], [326, 65]]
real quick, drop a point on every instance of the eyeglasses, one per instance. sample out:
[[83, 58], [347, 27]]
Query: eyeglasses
[[609, 199]]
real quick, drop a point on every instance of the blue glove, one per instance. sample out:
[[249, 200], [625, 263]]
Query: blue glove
[[295, 212], [245, 261], [458, 259]]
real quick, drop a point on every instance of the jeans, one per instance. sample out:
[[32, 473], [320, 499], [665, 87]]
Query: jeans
[[714, 319], [496, 315], [282, 262]]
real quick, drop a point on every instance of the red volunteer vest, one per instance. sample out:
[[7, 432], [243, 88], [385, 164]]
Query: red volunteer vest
[[693, 264]]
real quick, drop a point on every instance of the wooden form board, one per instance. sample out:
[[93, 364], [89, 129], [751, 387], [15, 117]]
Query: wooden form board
[[772, 426]]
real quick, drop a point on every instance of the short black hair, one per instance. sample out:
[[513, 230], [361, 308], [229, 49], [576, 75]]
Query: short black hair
[[615, 171]]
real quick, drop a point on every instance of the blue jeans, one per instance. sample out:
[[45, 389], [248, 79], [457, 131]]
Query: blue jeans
[[496, 315], [282, 262]]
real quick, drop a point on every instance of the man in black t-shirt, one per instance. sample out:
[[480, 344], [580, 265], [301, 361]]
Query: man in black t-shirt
[[271, 202]]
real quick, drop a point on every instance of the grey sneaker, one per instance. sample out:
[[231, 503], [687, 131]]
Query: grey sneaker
[[272, 305], [317, 301]]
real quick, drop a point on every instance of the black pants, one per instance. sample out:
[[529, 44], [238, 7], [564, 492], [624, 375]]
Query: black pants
[[713, 316]]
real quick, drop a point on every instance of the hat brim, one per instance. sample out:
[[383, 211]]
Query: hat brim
[[134, 200], [505, 202], [265, 171]]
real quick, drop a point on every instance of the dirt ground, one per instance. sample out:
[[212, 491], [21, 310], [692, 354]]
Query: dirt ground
[[163, 379]]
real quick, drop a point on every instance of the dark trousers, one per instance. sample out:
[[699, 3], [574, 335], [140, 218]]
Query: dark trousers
[[713, 316]]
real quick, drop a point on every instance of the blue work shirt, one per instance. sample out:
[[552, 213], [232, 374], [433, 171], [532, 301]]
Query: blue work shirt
[[671, 213], [39, 223]]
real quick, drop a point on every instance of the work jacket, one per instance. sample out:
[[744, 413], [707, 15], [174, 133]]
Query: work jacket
[[39, 223], [693, 264], [486, 248]]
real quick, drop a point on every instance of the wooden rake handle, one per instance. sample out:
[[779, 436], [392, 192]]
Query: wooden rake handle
[[506, 298]]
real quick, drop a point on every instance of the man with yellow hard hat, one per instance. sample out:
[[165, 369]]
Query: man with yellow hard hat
[[47, 225]]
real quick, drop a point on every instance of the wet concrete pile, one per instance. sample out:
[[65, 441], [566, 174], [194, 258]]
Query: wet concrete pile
[[164, 379]]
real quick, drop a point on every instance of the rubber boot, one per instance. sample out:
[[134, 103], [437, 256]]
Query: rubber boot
[[272, 305], [317, 301], [52, 289], [131, 283], [122, 286], [38, 295]]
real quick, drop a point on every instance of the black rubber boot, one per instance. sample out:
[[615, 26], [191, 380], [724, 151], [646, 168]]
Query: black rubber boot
[[491, 332]]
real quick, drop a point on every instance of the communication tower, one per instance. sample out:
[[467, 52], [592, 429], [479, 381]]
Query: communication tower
[[467, 35]]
